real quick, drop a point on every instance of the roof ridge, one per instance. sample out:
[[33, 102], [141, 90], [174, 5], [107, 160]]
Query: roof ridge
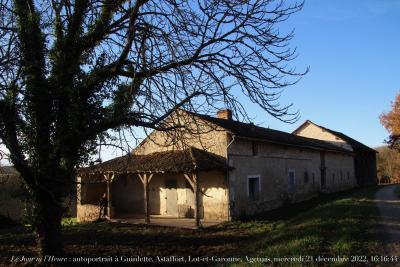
[[241, 129], [341, 135]]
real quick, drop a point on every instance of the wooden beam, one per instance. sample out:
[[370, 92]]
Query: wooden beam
[[109, 197], [141, 178], [191, 182], [197, 199], [109, 177], [150, 177], [146, 197], [145, 181]]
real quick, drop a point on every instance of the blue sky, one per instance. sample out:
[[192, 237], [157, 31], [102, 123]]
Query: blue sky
[[353, 50]]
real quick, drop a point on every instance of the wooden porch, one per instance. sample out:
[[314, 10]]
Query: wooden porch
[[145, 178], [179, 165]]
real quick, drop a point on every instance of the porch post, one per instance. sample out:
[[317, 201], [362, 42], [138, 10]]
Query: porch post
[[148, 178], [197, 199], [145, 180], [79, 190], [146, 198], [110, 211]]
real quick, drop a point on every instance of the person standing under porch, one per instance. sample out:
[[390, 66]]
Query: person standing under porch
[[103, 204]]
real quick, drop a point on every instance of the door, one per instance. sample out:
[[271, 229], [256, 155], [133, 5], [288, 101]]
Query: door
[[171, 197]]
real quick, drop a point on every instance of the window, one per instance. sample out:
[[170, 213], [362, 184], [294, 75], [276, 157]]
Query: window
[[306, 177], [254, 187], [291, 181], [254, 146]]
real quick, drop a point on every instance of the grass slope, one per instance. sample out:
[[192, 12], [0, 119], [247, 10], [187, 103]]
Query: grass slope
[[334, 225]]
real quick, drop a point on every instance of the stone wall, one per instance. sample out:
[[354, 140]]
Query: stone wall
[[340, 172], [365, 159], [214, 197], [87, 212], [199, 134], [313, 131], [272, 164]]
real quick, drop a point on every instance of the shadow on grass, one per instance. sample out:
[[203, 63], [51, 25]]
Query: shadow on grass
[[291, 210], [328, 225], [155, 241]]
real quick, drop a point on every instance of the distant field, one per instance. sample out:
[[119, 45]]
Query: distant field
[[330, 226]]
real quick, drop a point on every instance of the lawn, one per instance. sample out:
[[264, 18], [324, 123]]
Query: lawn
[[333, 225]]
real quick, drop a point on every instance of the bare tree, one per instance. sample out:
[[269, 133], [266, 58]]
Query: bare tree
[[73, 70]]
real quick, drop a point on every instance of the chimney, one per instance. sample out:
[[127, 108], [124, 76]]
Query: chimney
[[225, 114]]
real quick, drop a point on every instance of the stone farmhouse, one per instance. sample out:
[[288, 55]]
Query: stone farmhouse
[[226, 171]]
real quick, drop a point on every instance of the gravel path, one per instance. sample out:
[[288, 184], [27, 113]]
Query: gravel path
[[389, 206]]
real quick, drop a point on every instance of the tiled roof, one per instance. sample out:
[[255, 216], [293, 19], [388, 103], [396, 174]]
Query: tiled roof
[[356, 145], [251, 131], [174, 161]]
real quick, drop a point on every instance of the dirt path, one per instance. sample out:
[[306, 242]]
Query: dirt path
[[389, 206]]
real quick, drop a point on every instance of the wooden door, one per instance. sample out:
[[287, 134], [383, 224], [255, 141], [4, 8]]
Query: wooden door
[[171, 197]]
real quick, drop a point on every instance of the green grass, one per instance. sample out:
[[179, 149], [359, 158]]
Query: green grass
[[338, 227], [69, 222], [333, 225]]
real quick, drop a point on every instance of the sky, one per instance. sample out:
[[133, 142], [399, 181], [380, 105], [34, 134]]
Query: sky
[[353, 50]]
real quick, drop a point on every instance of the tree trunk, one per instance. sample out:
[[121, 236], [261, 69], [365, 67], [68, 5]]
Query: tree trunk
[[48, 227]]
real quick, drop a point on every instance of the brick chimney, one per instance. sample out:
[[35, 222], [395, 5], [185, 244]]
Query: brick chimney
[[225, 114]]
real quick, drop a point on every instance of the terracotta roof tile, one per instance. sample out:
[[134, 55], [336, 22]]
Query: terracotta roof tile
[[174, 161], [249, 130]]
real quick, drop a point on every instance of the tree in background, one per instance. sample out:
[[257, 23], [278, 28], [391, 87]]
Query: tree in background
[[388, 165], [71, 72], [391, 121]]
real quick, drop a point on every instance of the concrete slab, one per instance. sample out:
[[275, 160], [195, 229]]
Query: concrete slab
[[157, 220]]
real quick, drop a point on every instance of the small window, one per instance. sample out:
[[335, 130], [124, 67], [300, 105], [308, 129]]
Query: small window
[[254, 146], [306, 177], [254, 187]]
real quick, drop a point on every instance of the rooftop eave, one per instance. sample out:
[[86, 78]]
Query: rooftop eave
[[344, 151]]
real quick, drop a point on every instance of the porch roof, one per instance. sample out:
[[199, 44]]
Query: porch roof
[[173, 161]]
